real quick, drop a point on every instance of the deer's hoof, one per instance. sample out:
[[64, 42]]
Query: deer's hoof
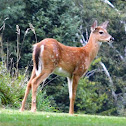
[[21, 110]]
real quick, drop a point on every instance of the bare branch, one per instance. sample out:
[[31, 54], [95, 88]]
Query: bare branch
[[92, 72], [110, 80], [110, 4], [45, 84], [18, 54]]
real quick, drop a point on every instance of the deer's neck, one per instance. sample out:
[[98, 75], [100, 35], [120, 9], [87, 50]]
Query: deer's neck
[[92, 47]]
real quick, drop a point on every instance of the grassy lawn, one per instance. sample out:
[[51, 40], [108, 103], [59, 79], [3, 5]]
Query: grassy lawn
[[15, 118]]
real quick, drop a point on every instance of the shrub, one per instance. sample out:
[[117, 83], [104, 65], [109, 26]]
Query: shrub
[[89, 99], [11, 88], [12, 91], [43, 101]]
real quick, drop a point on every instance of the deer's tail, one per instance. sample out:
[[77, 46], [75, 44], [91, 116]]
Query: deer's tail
[[37, 52]]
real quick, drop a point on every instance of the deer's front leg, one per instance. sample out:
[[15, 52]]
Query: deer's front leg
[[72, 84]]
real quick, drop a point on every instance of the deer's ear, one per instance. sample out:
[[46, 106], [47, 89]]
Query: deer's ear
[[104, 24], [94, 26]]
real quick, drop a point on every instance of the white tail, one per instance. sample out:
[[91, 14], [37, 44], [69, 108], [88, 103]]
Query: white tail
[[50, 56]]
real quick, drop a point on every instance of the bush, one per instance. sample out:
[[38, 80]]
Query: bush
[[43, 101], [11, 88], [89, 99], [12, 91]]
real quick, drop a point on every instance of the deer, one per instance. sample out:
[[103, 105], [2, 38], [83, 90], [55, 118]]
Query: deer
[[51, 57]]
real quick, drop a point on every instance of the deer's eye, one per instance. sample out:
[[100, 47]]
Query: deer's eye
[[101, 32]]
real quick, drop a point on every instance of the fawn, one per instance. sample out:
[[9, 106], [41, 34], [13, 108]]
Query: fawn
[[50, 56]]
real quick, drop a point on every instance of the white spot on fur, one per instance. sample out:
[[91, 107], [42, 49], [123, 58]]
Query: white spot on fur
[[34, 101], [40, 62]]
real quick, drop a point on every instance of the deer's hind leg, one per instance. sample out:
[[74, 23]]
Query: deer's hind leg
[[28, 88], [35, 83]]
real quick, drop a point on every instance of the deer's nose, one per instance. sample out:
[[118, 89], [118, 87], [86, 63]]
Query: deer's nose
[[111, 39]]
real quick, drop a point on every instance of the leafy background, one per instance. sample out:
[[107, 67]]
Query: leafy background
[[23, 23]]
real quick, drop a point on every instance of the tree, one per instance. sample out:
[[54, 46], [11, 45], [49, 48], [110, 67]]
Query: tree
[[112, 54], [69, 22], [55, 19]]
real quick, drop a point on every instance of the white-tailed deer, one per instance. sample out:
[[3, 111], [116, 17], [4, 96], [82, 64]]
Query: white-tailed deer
[[50, 56]]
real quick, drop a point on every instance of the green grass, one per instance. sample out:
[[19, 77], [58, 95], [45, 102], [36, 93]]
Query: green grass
[[15, 118]]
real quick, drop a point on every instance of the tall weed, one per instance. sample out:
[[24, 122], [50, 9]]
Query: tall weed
[[11, 88]]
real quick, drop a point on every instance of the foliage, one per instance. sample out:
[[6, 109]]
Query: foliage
[[89, 99], [112, 55], [50, 19], [62, 19], [11, 88], [43, 102], [58, 89]]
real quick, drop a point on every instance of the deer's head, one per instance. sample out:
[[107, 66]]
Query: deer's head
[[100, 32]]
